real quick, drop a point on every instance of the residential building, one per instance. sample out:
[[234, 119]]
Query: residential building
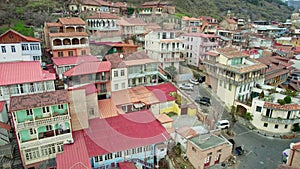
[[42, 125], [97, 73], [103, 27], [231, 74], [285, 41], [191, 25], [62, 64], [5, 127], [272, 115], [196, 45], [133, 28], [78, 6], [166, 47], [209, 24], [277, 71], [229, 24], [17, 47], [122, 48], [23, 78], [294, 155], [66, 37], [140, 140], [155, 8], [255, 41], [207, 150]]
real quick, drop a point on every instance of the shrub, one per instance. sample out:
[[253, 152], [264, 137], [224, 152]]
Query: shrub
[[281, 101], [287, 99], [296, 127]]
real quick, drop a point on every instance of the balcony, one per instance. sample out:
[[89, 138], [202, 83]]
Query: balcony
[[170, 50], [106, 28], [70, 46], [102, 90], [42, 122], [280, 120], [173, 59], [46, 140], [102, 79]]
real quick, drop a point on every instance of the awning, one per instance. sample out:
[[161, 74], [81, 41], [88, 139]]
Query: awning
[[138, 105]]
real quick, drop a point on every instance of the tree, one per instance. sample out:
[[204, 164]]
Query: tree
[[171, 71], [287, 99]]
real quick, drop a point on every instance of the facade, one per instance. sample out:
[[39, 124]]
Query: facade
[[66, 37], [42, 125], [62, 64], [207, 150], [133, 28], [103, 27], [271, 116], [166, 47], [17, 47], [125, 141], [191, 25], [196, 45], [155, 8], [23, 78], [231, 74], [229, 24], [97, 73], [209, 25]]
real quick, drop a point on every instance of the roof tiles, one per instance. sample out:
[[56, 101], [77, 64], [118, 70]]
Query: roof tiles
[[71, 21]]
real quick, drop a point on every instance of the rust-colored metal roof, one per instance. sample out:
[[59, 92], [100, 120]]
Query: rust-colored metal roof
[[107, 108], [71, 21], [23, 38], [163, 118]]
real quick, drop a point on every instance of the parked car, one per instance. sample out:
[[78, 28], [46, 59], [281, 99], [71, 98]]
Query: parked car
[[203, 100], [186, 86], [201, 79], [223, 124], [194, 81]]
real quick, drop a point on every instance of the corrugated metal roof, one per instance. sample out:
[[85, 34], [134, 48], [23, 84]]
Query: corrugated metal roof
[[107, 108], [5, 126], [123, 132], [75, 155], [126, 165], [22, 72], [162, 91], [88, 68], [75, 60]]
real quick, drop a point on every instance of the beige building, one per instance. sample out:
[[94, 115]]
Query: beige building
[[207, 150], [294, 156], [231, 74]]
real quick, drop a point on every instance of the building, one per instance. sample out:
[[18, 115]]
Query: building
[[133, 28], [17, 47], [66, 37], [23, 78], [42, 125], [135, 137], [97, 73], [103, 27], [270, 113], [231, 74], [229, 24], [209, 25], [196, 45], [207, 150], [294, 155], [191, 25], [165, 46], [4, 125], [155, 8]]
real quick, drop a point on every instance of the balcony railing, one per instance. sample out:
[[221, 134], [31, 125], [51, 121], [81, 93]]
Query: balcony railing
[[171, 50], [42, 122], [280, 120], [101, 28], [70, 46], [49, 140], [173, 59]]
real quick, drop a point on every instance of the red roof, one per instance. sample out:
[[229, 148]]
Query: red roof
[[126, 165], [162, 91], [88, 68], [89, 89], [75, 60], [75, 155], [22, 72], [5, 126], [20, 38], [123, 132], [2, 103]]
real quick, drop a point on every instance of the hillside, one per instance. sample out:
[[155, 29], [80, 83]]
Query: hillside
[[248, 9]]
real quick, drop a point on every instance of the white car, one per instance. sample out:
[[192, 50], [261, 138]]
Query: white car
[[194, 81], [223, 124], [186, 86]]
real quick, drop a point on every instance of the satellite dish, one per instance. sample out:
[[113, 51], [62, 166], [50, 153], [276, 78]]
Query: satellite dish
[[121, 56]]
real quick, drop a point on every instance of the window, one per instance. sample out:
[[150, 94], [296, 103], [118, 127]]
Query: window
[[108, 156], [164, 35], [276, 126], [161, 55], [25, 47], [115, 73], [124, 108], [265, 124], [70, 53], [286, 126], [36, 57], [230, 87], [118, 154], [221, 83], [116, 86], [60, 106], [171, 35], [32, 131], [13, 49], [258, 108], [269, 113], [98, 158], [123, 85], [225, 85], [83, 52], [122, 72], [46, 109], [60, 54], [91, 111], [3, 49], [48, 127], [29, 112], [34, 47]]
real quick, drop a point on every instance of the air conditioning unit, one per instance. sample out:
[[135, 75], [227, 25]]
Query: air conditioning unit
[[69, 141]]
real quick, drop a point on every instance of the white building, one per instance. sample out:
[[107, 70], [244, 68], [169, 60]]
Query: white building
[[165, 46], [17, 47]]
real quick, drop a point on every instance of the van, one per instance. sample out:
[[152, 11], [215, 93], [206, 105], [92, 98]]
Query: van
[[223, 124]]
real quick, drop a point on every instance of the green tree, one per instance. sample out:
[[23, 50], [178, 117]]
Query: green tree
[[287, 99], [171, 71]]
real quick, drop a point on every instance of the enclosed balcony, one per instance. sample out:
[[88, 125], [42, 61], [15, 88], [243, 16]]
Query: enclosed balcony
[[280, 120], [67, 43]]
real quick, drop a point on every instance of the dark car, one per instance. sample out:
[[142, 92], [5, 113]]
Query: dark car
[[203, 100], [201, 79]]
